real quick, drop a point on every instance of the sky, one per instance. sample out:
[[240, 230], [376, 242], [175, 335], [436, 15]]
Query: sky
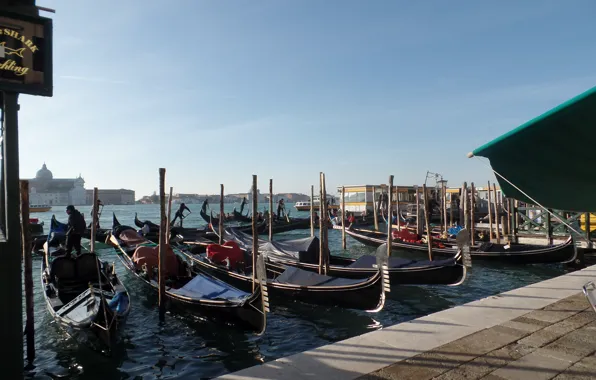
[[215, 91]]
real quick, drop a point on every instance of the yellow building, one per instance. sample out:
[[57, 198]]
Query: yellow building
[[359, 198]]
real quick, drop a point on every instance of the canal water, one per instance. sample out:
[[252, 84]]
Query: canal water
[[189, 348]]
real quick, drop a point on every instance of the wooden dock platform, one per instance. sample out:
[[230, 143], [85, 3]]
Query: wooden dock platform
[[545, 330]]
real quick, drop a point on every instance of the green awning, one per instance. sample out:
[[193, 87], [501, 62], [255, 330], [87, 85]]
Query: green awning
[[550, 158]]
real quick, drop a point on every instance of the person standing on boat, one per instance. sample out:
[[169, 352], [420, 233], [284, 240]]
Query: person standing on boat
[[180, 214], [76, 229], [281, 207], [242, 204]]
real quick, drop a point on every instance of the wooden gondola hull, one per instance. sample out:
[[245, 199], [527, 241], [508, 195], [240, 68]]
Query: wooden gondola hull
[[364, 297], [247, 314], [517, 254]]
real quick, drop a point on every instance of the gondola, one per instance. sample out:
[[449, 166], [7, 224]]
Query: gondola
[[83, 295], [241, 218], [188, 233], [101, 234], [291, 283], [304, 254], [199, 293], [509, 253]]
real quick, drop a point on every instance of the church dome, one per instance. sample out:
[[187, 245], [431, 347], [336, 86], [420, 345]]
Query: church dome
[[44, 173]]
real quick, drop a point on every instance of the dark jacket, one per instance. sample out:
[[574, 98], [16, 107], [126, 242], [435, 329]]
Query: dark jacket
[[76, 223]]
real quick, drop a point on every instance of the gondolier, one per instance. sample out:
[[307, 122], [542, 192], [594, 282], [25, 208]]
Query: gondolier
[[76, 228], [281, 207], [180, 214]]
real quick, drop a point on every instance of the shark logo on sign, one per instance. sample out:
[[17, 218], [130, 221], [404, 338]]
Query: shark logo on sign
[[7, 53]]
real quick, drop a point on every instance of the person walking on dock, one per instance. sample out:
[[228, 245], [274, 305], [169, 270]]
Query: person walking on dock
[[281, 207], [76, 229], [180, 214]]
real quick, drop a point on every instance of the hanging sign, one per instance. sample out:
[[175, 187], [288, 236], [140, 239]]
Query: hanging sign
[[25, 54]]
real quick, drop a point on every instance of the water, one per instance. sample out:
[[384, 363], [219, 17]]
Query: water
[[188, 348]]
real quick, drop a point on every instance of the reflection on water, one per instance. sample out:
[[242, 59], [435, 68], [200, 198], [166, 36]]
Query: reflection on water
[[186, 347]]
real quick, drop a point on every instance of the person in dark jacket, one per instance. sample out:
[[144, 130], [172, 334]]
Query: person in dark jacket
[[76, 229], [180, 214]]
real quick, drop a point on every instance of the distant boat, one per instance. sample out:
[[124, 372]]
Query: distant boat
[[39, 208]]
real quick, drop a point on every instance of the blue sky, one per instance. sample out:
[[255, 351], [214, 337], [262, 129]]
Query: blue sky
[[215, 91]]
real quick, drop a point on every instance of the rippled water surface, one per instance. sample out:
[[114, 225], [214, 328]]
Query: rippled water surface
[[188, 348]]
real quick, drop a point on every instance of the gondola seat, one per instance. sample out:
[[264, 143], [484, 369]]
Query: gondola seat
[[63, 272], [150, 256]]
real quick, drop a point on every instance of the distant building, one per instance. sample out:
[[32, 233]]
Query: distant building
[[113, 196], [45, 189]]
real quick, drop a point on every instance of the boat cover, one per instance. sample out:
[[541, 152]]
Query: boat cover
[[367, 262], [203, 287], [296, 276], [305, 249]]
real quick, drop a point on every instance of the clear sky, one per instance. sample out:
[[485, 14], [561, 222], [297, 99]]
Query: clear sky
[[215, 91]]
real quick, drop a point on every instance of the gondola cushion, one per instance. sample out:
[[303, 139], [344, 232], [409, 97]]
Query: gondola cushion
[[150, 256], [87, 265], [230, 250], [63, 270]]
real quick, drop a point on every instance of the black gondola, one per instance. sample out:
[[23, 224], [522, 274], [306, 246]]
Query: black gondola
[[200, 293], [100, 235], [304, 254], [513, 253], [83, 295], [291, 283], [188, 233], [241, 218]]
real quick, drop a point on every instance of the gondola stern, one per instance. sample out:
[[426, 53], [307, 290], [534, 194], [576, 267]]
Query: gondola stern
[[262, 278]]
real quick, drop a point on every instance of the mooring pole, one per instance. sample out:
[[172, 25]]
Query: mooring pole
[[324, 222], [94, 217], [11, 320], [429, 236], [375, 215], [312, 211], [271, 209], [418, 221], [473, 214], [162, 243], [389, 201], [255, 234], [321, 223], [28, 271], [343, 217], [168, 226], [490, 214], [497, 215], [221, 213]]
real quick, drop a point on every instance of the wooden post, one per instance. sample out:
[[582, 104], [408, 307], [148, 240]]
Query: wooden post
[[325, 234], [490, 214], [397, 218], [94, 216], [312, 211], [169, 228], [465, 216], [28, 271], [429, 237], [271, 209], [255, 234], [343, 217], [503, 226], [418, 221], [549, 229], [221, 213], [389, 235], [375, 211], [497, 213], [451, 216], [472, 213], [507, 207], [162, 244], [321, 223], [444, 201]]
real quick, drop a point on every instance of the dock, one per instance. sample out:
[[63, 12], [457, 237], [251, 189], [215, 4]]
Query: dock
[[545, 330]]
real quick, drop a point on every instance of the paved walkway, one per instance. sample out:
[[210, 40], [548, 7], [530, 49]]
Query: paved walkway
[[542, 331], [556, 342]]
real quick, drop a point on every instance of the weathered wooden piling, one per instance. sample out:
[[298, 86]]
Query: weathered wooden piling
[[397, 217], [325, 226], [588, 228], [375, 208], [312, 211], [497, 213], [490, 213], [389, 231], [221, 214], [418, 213], [169, 217], [271, 209], [472, 213], [28, 271], [463, 207], [429, 237], [94, 216], [255, 234], [548, 226], [343, 217], [163, 227], [444, 202]]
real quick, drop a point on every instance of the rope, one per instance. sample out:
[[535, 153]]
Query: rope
[[535, 201]]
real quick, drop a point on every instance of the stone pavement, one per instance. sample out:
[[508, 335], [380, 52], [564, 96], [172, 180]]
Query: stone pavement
[[555, 342]]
